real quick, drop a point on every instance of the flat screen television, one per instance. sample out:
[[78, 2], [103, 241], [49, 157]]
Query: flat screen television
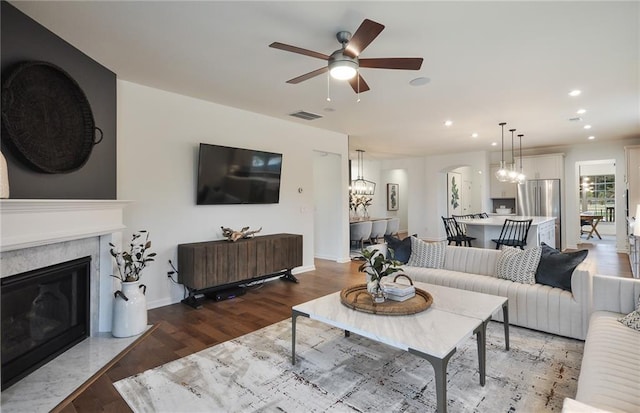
[[228, 175]]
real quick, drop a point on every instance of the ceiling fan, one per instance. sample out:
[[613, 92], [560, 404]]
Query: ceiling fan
[[344, 62]]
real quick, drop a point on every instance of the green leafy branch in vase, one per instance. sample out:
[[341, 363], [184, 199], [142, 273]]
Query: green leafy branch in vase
[[131, 263], [377, 266]]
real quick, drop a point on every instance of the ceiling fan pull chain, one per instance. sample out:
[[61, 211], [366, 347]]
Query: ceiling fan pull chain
[[358, 94], [328, 87]]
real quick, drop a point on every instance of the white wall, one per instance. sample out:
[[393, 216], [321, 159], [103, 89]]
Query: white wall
[[328, 204], [158, 137], [380, 173], [396, 176], [435, 182]]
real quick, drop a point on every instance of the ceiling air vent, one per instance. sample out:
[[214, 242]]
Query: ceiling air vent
[[305, 115]]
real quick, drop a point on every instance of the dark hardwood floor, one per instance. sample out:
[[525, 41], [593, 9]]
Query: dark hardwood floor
[[181, 330]]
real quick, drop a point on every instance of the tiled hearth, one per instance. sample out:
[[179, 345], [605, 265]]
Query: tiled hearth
[[39, 233]]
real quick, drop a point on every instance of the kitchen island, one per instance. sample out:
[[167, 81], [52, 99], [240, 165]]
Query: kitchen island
[[543, 229]]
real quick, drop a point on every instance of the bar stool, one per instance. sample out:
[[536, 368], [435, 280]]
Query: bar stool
[[514, 233], [455, 233]]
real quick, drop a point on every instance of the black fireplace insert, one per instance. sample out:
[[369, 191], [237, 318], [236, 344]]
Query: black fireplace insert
[[44, 313]]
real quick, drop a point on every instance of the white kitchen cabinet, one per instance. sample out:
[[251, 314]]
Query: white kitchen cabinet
[[549, 166], [547, 234], [499, 189]]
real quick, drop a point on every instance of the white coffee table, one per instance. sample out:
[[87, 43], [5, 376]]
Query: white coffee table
[[433, 334]]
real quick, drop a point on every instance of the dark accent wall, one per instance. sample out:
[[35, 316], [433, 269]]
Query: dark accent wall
[[22, 39]]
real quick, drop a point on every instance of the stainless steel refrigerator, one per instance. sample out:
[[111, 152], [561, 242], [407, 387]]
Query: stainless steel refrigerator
[[541, 198]]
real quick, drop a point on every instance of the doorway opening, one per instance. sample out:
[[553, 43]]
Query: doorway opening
[[597, 194]]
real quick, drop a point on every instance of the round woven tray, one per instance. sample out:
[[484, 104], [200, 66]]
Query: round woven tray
[[47, 118], [358, 298]]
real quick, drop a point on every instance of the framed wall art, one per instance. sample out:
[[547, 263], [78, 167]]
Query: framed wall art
[[392, 197], [454, 203]]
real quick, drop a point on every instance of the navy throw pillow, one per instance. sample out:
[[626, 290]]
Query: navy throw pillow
[[556, 268], [401, 248]]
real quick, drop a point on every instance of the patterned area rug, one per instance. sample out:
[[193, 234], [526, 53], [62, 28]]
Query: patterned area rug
[[335, 373]]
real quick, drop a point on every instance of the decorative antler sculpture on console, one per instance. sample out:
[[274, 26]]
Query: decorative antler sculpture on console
[[233, 236]]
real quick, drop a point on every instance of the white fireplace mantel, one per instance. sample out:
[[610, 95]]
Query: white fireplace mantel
[[34, 222]]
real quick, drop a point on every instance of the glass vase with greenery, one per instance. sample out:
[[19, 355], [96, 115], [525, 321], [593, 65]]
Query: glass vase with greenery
[[377, 266]]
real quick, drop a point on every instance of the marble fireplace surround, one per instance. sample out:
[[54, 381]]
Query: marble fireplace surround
[[37, 233]]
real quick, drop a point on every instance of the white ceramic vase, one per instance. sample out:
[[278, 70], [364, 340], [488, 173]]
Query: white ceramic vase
[[4, 178], [130, 310]]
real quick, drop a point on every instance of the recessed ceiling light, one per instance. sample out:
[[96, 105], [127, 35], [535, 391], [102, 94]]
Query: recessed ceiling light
[[419, 81], [581, 111], [591, 137], [474, 135], [494, 143], [575, 92], [587, 126], [448, 122]]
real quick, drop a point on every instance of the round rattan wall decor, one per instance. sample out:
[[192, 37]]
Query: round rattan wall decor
[[47, 119]]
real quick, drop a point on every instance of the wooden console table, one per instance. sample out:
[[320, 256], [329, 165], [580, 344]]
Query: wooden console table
[[214, 265]]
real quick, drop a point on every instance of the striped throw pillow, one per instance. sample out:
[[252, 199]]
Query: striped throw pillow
[[426, 254], [517, 265], [632, 320]]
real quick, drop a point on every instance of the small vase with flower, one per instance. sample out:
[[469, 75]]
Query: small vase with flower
[[376, 266]]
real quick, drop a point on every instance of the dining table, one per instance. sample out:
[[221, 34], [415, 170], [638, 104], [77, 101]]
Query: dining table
[[593, 220]]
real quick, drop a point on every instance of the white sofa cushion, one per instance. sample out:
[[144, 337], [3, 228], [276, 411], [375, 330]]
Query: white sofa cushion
[[471, 260], [536, 306], [574, 406], [610, 372]]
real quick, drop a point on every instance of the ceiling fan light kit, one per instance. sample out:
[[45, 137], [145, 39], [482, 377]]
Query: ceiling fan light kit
[[343, 67], [344, 63]]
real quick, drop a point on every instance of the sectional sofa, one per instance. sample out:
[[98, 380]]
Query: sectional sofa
[[536, 306], [610, 372]]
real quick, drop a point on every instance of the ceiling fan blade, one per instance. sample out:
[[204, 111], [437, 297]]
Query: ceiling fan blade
[[406, 63], [299, 50], [308, 76], [363, 87], [365, 34]]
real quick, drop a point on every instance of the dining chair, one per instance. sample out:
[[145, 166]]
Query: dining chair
[[359, 232], [455, 233], [481, 215], [514, 233], [378, 229], [393, 226]]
